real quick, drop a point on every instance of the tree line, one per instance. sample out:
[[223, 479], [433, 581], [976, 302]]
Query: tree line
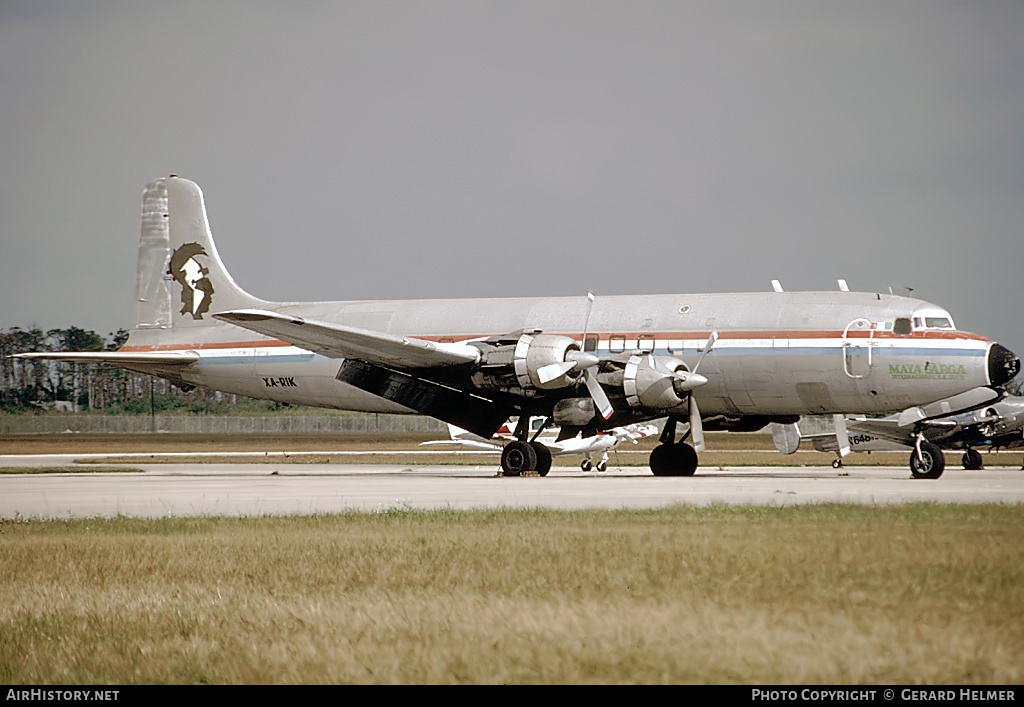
[[36, 386]]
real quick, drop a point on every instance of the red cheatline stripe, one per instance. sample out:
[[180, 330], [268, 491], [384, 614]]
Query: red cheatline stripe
[[628, 336]]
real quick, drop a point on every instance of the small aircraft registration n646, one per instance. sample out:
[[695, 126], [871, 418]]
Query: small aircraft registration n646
[[703, 361]]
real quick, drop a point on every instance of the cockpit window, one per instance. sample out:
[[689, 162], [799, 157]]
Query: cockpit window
[[901, 326], [938, 323]]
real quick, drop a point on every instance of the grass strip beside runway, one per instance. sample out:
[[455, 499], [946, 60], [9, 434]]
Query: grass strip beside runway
[[916, 594]]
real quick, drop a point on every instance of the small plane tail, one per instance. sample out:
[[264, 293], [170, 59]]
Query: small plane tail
[[181, 280], [786, 437]]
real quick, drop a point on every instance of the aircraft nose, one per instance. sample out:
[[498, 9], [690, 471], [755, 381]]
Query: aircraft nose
[[1003, 365]]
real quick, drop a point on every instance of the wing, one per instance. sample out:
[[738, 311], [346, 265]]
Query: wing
[[886, 428], [889, 429], [340, 341], [464, 439]]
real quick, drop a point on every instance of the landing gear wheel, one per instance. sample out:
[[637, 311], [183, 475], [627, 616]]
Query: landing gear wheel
[[543, 458], [602, 466], [673, 460], [972, 460], [518, 457], [837, 463], [930, 465], [586, 465]]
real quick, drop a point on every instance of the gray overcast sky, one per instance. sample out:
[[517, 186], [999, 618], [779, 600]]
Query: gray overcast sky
[[399, 149]]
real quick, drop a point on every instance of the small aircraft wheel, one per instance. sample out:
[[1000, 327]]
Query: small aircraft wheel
[[518, 457], [930, 465], [586, 465], [837, 463], [543, 458], [972, 460], [602, 466]]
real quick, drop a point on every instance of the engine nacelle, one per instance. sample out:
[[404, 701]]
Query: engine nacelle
[[506, 364], [533, 352], [647, 387]]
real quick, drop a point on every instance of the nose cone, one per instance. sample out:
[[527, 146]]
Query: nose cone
[[1003, 365]]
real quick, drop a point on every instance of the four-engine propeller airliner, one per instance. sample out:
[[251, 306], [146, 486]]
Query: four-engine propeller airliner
[[739, 360]]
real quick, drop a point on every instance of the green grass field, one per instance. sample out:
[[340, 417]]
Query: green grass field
[[832, 594]]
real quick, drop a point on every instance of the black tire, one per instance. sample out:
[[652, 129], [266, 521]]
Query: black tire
[[837, 463], [518, 457], [673, 460], [972, 460], [543, 458], [602, 466], [661, 460], [686, 459], [931, 464], [585, 465]]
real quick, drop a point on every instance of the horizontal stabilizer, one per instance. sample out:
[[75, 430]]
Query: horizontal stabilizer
[[117, 358], [340, 341]]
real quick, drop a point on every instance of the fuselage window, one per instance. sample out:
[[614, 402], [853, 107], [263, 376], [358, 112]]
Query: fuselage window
[[616, 343], [645, 343], [590, 342], [901, 327]]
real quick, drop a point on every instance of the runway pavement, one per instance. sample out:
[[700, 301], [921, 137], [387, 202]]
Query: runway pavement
[[215, 489]]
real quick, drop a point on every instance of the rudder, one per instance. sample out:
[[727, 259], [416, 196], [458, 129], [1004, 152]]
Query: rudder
[[177, 254]]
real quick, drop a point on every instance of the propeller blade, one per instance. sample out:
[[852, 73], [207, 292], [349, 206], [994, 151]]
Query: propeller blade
[[548, 373], [573, 360], [586, 318], [707, 349], [597, 393], [696, 427]]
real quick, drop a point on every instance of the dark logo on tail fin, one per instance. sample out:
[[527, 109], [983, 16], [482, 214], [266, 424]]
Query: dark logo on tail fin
[[191, 274]]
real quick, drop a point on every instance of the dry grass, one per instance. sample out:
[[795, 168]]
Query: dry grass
[[921, 594]]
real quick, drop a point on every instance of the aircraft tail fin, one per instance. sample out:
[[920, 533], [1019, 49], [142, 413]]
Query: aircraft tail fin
[[181, 279], [786, 437]]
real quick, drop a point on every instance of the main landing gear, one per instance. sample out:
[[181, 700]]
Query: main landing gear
[[671, 458], [525, 459]]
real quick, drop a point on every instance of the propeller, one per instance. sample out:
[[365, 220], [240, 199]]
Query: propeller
[[696, 426], [604, 407], [581, 361]]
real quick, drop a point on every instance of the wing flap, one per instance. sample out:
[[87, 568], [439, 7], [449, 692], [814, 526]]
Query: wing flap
[[340, 341]]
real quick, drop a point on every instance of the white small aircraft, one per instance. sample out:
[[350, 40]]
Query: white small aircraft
[[585, 364], [549, 445], [996, 423]]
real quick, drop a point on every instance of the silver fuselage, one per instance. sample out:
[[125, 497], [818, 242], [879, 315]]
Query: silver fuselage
[[776, 354]]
